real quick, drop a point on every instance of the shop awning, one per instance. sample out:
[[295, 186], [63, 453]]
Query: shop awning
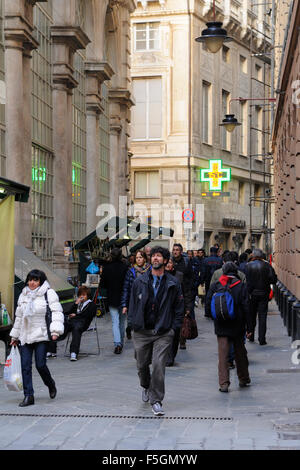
[[11, 188]]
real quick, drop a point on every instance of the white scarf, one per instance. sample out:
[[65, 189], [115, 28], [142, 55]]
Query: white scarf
[[82, 306], [31, 295]]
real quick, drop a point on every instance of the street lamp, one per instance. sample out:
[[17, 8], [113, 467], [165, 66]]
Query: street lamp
[[214, 36], [230, 122]]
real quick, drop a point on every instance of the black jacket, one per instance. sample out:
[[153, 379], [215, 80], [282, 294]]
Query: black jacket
[[112, 279], [259, 276], [184, 266], [210, 265], [237, 327], [130, 277], [171, 308], [85, 316]]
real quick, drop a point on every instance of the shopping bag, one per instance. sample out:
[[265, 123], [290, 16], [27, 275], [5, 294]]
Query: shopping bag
[[12, 374]]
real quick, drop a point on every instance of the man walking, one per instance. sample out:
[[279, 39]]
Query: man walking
[[227, 301], [260, 275], [112, 279], [210, 265], [155, 313]]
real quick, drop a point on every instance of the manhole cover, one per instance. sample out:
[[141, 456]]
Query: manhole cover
[[282, 371]]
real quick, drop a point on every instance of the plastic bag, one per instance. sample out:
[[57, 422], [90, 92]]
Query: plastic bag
[[12, 374], [92, 268]]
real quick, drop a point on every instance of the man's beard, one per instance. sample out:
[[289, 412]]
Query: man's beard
[[157, 265]]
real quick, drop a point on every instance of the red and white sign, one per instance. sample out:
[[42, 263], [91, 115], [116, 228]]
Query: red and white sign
[[188, 215]]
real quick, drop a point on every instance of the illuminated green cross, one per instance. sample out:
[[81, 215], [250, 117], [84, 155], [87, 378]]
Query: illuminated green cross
[[215, 175]]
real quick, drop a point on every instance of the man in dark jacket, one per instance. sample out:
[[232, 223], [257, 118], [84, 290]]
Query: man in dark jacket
[[155, 312], [183, 265], [210, 265], [112, 279], [232, 330], [260, 275]]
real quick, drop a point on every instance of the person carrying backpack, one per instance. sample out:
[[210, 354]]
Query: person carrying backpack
[[227, 302]]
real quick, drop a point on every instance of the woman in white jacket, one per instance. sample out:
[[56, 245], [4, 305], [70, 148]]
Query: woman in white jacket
[[31, 330]]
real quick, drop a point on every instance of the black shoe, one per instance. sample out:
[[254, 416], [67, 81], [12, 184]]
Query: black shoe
[[262, 343], [231, 365], [170, 364], [245, 384], [128, 333], [29, 400], [52, 391], [223, 388], [118, 350]]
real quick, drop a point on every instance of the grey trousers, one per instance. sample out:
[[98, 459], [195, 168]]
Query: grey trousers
[[152, 349]]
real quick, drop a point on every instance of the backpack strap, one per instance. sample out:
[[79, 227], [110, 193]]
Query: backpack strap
[[235, 284]]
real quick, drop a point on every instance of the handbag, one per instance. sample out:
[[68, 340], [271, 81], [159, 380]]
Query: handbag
[[48, 317], [189, 328]]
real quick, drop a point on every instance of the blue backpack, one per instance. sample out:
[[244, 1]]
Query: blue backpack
[[222, 303]]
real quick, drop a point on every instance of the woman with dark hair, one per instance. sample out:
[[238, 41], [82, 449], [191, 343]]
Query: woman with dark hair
[[31, 330], [140, 267]]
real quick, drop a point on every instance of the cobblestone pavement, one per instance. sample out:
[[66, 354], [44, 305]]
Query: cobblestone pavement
[[98, 405]]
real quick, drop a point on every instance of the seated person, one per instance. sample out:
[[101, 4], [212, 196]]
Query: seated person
[[77, 320], [80, 316]]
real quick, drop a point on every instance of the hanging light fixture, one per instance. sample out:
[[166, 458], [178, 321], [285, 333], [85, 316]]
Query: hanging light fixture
[[214, 36], [230, 122]]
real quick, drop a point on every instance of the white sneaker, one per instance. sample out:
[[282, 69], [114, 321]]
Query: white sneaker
[[73, 357], [48, 354], [158, 409]]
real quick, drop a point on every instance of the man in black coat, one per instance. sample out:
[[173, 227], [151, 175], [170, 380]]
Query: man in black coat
[[155, 313], [260, 275], [112, 279], [232, 330], [210, 265]]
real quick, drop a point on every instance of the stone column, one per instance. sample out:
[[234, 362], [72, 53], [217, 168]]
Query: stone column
[[120, 104], [19, 42], [66, 40], [97, 73]]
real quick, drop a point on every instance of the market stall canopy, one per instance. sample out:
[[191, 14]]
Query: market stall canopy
[[11, 188], [25, 261]]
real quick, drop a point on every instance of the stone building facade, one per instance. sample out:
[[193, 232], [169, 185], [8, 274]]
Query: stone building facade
[[286, 143], [182, 92], [65, 113]]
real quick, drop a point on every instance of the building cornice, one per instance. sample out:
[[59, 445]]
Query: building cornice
[[73, 36], [102, 70], [121, 96]]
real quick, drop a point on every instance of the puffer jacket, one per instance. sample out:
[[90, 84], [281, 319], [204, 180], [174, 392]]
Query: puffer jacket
[[33, 329]]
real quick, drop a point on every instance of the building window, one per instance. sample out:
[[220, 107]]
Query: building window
[[257, 194], [147, 113], [241, 193], [42, 203], [147, 37], [258, 72], [206, 113], [225, 138], [244, 129], [79, 152], [243, 64], [257, 132], [104, 147], [147, 184], [42, 136], [226, 54]]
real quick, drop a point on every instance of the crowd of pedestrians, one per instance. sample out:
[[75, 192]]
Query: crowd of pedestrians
[[153, 291]]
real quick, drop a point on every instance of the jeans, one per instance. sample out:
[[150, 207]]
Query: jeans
[[259, 305], [40, 350], [118, 325], [152, 348], [241, 359]]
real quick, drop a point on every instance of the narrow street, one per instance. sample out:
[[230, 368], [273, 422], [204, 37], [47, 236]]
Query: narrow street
[[98, 405]]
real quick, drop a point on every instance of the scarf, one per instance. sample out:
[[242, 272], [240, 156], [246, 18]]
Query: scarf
[[31, 296]]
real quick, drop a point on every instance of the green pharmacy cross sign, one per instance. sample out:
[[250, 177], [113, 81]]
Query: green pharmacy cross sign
[[215, 175]]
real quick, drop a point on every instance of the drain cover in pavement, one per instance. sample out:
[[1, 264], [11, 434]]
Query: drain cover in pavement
[[42, 415], [282, 371]]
